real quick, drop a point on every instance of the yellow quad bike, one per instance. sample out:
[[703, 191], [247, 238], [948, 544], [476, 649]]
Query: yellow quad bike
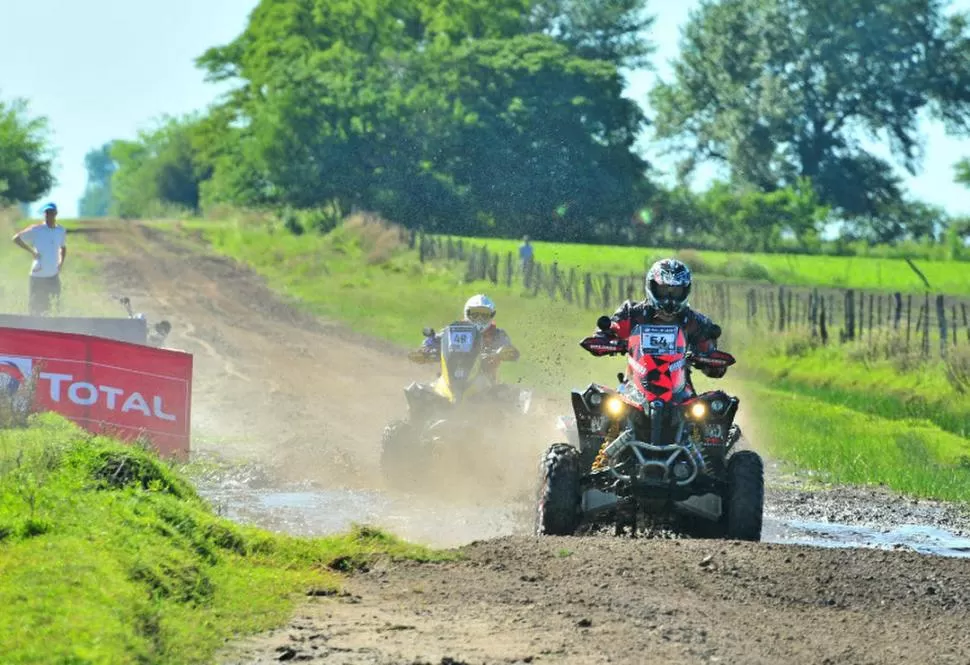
[[455, 410]]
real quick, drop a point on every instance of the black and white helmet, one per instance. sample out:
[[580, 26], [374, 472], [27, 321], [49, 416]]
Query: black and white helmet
[[668, 285]]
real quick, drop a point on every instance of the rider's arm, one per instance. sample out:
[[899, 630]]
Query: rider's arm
[[512, 353], [621, 324], [503, 343], [430, 348], [704, 341]]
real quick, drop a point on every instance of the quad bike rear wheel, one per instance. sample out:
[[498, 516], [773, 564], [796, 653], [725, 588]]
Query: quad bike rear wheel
[[745, 500], [559, 492], [400, 457]]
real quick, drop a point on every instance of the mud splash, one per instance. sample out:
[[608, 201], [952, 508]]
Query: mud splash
[[305, 510]]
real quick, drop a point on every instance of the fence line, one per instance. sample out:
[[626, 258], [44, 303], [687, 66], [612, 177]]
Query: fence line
[[853, 314]]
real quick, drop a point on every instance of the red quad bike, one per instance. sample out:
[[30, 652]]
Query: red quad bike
[[652, 449]]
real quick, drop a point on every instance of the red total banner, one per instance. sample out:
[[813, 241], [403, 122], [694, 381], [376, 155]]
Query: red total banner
[[107, 387]]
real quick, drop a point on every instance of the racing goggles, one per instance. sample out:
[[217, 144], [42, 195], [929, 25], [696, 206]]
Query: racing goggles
[[668, 292], [480, 315]]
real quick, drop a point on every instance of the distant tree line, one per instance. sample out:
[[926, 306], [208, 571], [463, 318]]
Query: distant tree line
[[506, 117]]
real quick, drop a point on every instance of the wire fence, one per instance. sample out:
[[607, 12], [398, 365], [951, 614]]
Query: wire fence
[[902, 322]]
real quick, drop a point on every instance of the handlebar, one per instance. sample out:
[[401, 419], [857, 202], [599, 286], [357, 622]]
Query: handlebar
[[606, 343]]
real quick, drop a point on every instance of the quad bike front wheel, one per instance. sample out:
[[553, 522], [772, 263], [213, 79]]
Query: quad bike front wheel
[[558, 511], [745, 500], [399, 454]]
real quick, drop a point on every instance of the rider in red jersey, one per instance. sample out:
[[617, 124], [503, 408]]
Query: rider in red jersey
[[668, 285]]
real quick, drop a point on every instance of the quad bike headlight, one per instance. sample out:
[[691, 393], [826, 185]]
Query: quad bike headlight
[[698, 410], [717, 406], [595, 399], [615, 406]]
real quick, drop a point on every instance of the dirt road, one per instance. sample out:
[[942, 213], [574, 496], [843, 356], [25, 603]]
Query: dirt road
[[271, 383], [300, 396], [563, 600]]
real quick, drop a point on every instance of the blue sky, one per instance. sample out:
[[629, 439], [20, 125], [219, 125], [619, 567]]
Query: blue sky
[[103, 69]]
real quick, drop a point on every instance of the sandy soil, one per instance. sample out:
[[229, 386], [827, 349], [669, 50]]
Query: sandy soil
[[282, 389]]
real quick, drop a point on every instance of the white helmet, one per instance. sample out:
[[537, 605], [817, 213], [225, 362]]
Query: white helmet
[[480, 310]]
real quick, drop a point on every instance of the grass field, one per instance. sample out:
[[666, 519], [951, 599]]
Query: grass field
[[816, 411], [108, 556], [951, 277]]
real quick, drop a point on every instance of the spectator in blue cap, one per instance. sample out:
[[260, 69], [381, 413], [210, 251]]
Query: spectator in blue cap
[[47, 243]]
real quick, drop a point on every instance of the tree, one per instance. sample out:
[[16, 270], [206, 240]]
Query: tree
[[460, 114], [962, 169], [611, 30], [26, 157], [100, 166], [160, 171], [780, 89], [902, 220]]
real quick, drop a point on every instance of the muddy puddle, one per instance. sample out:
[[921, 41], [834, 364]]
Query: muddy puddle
[[918, 538], [313, 512], [309, 511]]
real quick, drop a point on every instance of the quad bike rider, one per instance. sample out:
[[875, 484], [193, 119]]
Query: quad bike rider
[[469, 353], [654, 447]]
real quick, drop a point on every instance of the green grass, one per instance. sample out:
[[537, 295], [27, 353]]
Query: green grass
[[904, 387], [109, 556], [952, 277], [911, 456], [823, 410]]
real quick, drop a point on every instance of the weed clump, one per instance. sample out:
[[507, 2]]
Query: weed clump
[[114, 467]]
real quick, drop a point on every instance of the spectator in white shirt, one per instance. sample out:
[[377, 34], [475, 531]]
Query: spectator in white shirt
[[47, 243]]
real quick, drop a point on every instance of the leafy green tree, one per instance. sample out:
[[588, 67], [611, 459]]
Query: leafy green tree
[[466, 115], [902, 220], [160, 171], [781, 89], [26, 157], [96, 200], [611, 30], [963, 172], [759, 221]]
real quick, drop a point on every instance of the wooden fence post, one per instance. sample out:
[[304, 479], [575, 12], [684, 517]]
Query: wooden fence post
[[953, 319], [823, 330], [870, 317], [941, 322], [909, 318], [848, 332], [570, 285], [813, 311], [781, 308], [587, 290], [926, 325]]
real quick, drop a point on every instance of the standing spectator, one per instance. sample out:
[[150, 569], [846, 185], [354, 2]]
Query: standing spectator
[[526, 254], [47, 243]]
